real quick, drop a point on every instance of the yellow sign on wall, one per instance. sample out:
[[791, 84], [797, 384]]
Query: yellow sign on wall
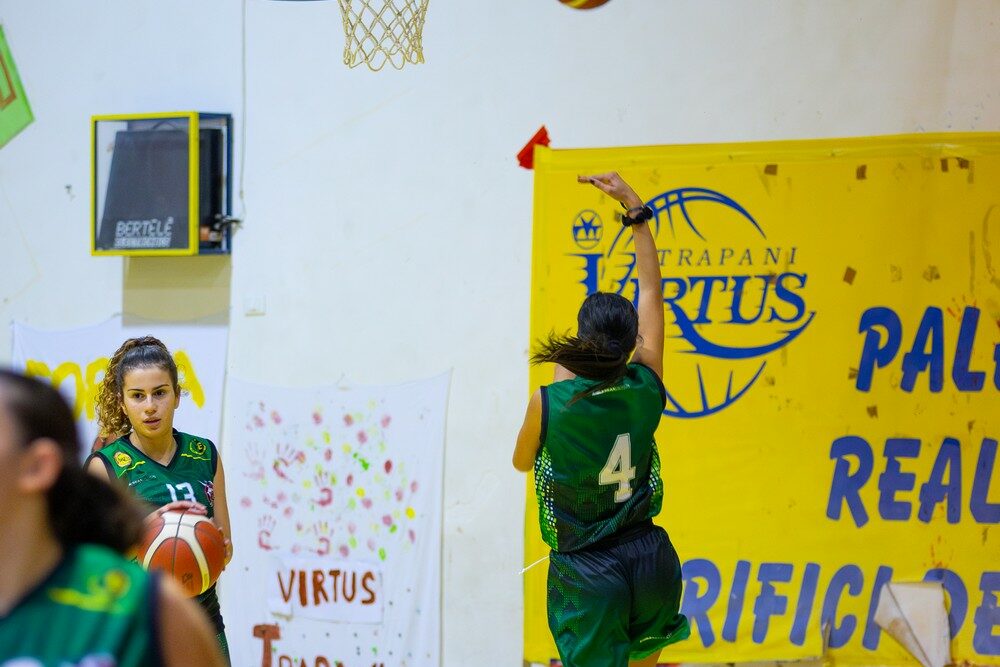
[[833, 377]]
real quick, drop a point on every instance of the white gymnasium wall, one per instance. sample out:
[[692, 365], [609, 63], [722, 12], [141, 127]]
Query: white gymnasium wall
[[387, 224]]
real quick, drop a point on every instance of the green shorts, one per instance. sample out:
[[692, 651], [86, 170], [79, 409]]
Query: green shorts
[[616, 601]]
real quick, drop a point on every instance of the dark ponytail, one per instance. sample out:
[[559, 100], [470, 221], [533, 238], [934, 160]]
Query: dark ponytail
[[86, 509], [607, 327], [81, 507]]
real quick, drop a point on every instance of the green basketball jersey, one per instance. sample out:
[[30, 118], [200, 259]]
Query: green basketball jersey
[[95, 609], [189, 475], [597, 471]]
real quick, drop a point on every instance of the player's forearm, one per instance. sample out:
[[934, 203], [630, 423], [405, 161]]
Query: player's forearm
[[647, 261]]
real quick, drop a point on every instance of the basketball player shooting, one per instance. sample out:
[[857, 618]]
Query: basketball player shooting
[[614, 579]]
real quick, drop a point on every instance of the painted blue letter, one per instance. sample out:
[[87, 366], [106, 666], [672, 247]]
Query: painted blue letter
[[851, 578], [996, 365], [987, 616], [789, 297], [934, 490], [706, 296], [982, 510], [873, 353], [893, 480], [804, 607], [918, 359], [845, 486], [735, 608], [695, 606], [955, 589], [872, 631], [768, 602], [965, 379]]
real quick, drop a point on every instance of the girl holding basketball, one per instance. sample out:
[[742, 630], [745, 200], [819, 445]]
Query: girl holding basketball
[[67, 594], [614, 579], [167, 469]]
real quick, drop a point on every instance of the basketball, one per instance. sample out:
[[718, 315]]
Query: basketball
[[583, 4], [187, 547]]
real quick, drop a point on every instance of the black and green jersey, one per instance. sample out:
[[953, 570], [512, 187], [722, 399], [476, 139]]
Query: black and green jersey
[[189, 475], [95, 608], [597, 471]]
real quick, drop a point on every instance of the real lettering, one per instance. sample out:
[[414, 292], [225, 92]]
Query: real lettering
[[854, 464]]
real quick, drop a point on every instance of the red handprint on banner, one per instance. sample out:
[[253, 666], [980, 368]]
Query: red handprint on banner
[[325, 496], [265, 525]]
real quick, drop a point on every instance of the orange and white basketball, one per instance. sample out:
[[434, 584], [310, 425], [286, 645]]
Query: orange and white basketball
[[583, 4], [187, 547]]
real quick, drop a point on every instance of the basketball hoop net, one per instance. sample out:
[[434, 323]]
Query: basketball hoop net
[[377, 32]]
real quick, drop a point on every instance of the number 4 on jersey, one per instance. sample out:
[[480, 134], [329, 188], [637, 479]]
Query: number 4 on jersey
[[619, 469]]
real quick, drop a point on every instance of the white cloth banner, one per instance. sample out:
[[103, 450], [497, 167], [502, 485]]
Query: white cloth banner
[[74, 360], [336, 504]]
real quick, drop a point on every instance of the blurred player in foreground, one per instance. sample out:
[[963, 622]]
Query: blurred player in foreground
[[68, 597]]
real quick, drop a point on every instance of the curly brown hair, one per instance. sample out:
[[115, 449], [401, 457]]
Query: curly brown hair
[[143, 352]]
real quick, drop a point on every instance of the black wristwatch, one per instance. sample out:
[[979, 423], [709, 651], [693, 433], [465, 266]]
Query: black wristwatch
[[642, 214]]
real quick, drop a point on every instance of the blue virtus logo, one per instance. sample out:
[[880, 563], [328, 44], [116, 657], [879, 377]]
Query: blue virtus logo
[[733, 298]]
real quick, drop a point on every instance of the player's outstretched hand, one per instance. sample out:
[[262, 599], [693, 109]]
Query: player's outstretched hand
[[613, 185], [178, 506]]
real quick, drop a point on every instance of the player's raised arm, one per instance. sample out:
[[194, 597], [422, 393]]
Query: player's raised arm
[[649, 347]]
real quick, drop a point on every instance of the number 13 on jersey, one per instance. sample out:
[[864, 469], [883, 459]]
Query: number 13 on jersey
[[619, 469], [185, 488]]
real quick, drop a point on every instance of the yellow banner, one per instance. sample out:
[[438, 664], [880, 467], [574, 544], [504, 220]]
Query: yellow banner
[[833, 377]]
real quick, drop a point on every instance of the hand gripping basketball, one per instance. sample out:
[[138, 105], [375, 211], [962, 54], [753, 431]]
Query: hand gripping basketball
[[186, 546]]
